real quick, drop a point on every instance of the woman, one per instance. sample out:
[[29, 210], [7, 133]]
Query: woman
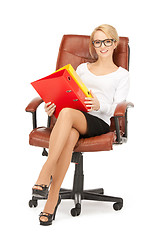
[[109, 85]]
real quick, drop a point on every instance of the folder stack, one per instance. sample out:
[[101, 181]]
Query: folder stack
[[64, 88]]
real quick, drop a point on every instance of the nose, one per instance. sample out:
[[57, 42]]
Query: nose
[[103, 46]]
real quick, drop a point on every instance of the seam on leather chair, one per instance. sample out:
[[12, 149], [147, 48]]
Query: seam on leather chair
[[82, 57]]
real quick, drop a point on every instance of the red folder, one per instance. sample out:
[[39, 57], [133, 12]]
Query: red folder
[[61, 89]]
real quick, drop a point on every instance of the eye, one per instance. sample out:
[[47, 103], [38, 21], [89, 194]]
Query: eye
[[108, 41], [97, 42]]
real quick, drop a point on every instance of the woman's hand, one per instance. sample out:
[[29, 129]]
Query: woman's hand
[[92, 103], [49, 108]]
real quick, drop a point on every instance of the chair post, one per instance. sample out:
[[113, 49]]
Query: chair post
[[78, 175], [117, 127], [34, 118], [126, 125]]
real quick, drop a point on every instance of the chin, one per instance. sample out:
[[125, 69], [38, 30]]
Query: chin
[[105, 55]]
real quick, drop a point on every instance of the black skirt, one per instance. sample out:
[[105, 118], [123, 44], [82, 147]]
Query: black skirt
[[95, 126]]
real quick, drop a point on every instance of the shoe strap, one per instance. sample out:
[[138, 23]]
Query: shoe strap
[[41, 185], [47, 215]]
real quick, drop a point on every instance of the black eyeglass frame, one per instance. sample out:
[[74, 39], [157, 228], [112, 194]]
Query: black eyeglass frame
[[103, 41]]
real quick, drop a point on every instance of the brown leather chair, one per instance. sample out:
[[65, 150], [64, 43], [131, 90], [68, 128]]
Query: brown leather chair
[[74, 49]]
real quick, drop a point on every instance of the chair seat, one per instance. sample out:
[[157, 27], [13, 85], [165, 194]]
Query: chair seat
[[40, 137]]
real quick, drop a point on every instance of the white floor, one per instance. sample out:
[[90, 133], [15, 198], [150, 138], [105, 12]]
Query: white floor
[[122, 172]]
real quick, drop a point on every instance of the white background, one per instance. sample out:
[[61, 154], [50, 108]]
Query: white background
[[31, 32]]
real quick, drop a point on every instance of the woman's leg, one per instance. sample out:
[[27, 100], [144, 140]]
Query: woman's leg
[[59, 172], [67, 119]]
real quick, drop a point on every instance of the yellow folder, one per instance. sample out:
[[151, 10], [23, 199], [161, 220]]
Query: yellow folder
[[76, 78]]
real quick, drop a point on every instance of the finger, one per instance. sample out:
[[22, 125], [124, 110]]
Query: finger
[[50, 113], [52, 110], [51, 107], [89, 106], [47, 104], [89, 102], [88, 98]]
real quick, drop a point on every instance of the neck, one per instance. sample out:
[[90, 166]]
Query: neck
[[106, 62]]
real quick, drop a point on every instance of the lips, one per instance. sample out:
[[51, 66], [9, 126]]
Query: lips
[[104, 51]]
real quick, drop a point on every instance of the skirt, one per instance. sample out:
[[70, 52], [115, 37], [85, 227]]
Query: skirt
[[95, 126]]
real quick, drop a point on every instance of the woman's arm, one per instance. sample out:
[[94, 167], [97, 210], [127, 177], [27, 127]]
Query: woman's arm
[[119, 96]]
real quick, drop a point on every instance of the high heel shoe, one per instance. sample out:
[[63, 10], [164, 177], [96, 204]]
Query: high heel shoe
[[40, 192], [43, 192], [49, 216]]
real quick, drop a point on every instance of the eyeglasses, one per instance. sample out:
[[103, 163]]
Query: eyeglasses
[[107, 42]]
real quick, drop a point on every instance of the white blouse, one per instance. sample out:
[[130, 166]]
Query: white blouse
[[110, 89]]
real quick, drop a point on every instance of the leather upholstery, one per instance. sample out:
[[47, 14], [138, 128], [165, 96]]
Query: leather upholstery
[[74, 49], [40, 137], [33, 105]]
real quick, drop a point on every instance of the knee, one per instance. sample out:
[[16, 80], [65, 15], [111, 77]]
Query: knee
[[65, 113]]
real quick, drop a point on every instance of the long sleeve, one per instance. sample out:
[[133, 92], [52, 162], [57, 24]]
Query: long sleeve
[[120, 95]]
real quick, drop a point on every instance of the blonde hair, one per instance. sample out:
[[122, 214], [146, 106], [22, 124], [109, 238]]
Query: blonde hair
[[109, 30]]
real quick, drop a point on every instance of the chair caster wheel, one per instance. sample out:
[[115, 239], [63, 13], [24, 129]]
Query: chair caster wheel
[[76, 211], [117, 206], [33, 203]]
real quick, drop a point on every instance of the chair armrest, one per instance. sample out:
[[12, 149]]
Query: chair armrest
[[121, 108], [33, 105], [121, 111]]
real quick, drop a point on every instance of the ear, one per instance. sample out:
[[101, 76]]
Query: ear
[[115, 45]]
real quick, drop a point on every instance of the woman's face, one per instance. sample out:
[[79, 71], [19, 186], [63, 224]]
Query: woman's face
[[103, 51]]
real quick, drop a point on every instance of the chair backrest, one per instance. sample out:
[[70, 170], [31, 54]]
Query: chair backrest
[[74, 50]]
